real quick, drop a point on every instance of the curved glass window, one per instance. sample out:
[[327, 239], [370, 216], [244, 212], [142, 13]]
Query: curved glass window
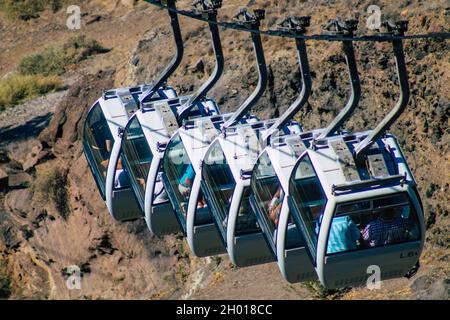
[[121, 178], [246, 221], [293, 236], [218, 185], [98, 142], [267, 199], [137, 158], [268, 196], [203, 212], [307, 201], [179, 175], [373, 223]]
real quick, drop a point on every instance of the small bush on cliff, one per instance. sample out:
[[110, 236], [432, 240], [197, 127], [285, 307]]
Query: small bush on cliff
[[18, 88], [57, 59], [28, 9], [318, 291], [51, 184], [38, 73]]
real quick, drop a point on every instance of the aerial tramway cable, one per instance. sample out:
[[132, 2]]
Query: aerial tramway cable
[[317, 37]]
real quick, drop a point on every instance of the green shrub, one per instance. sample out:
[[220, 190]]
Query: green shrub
[[51, 184], [56, 60], [47, 62], [318, 291], [18, 88], [28, 9], [56, 5], [22, 9], [38, 72]]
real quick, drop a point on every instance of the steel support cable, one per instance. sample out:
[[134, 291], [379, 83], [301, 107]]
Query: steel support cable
[[317, 37]]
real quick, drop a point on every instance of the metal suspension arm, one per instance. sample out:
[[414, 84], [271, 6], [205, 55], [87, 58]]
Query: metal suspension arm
[[361, 149], [209, 12], [252, 21], [176, 60], [347, 28], [297, 26]]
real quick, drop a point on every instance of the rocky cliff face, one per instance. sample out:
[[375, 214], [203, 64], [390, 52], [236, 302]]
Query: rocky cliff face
[[58, 220], [52, 216]]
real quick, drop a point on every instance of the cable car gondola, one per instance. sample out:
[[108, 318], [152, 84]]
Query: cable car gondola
[[355, 200], [101, 130], [181, 165], [184, 153], [225, 180], [118, 205], [270, 179], [102, 135], [226, 172], [148, 132]]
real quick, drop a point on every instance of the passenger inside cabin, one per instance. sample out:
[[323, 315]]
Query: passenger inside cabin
[[344, 234], [159, 195], [275, 206], [186, 181], [185, 185], [389, 227], [121, 179], [106, 151]]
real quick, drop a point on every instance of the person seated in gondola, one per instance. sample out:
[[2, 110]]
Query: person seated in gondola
[[275, 206], [186, 181], [160, 194], [105, 150], [121, 179], [185, 185], [389, 227], [344, 234]]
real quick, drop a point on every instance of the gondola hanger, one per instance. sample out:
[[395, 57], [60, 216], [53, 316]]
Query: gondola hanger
[[208, 10], [316, 37], [398, 29], [346, 28], [176, 60], [249, 20], [295, 25]]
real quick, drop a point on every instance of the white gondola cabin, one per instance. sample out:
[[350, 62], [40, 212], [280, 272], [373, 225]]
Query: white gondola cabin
[[226, 172], [156, 123], [103, 131], [269, 185], [108, 116], [181, 177], [182, 172], [356, 202], [270, 179], [356, 216]]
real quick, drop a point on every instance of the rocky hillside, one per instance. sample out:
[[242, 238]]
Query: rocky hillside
[[52, 217]]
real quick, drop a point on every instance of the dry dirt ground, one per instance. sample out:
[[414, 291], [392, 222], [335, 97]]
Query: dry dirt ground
[[123, 261]]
